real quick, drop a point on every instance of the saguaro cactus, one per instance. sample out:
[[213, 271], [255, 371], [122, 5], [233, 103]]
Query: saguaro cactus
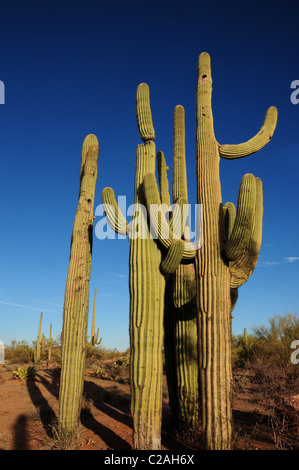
[[36, 354], [50, 342], [75, 310], [94, 338], [147, 287], [230, 248], [224, 262]]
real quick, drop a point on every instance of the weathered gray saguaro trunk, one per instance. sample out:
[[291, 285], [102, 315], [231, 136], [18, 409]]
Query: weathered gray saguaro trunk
[[76, 300]]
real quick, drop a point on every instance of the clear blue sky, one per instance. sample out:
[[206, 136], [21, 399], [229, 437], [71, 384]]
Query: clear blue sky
[[71, 68]]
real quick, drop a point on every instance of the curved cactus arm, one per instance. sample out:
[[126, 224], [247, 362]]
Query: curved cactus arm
[[158, 221], [229, 221], [229, 218], [241, 232], [163, 180], [144, 114], [173, 257], [254, 144], [114, 215], [242, 268], [234, 293]]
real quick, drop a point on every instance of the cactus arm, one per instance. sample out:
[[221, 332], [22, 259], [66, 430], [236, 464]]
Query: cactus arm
[[242, 268], [229, 218], [38, 344], [179, 186], [114, 215], [241, 232], [229, 221], [256, 143], [163, 180], [159, 223], [144, 114], [50, 344], [173, 257]]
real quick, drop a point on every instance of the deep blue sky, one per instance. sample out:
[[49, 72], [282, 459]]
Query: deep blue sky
[[71, 68]]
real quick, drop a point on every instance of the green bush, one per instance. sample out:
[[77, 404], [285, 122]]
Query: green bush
[[19, 352], [26, 373], [274, 342], [270, 343]]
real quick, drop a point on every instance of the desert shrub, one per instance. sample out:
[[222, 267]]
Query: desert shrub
[[18, 352], [274, 342], [243, 349], [24, 373], [278, 386], [99, 371], [268, 342]]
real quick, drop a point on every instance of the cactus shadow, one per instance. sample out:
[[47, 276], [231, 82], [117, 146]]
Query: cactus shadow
[[46, 413], [114, 403], [20, 431]]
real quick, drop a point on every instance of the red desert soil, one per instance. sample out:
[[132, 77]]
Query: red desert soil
[[28, 407]]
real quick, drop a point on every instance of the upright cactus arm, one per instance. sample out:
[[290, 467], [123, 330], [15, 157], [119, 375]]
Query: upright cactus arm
[[256, 143], [179, 185], [163, 180], [229, 221], [242, 268], [229, 218], [144, 114], [113, 213], [242, 228], [178, 217]]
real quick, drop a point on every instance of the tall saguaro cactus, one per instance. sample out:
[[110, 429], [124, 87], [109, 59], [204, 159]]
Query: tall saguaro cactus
[[231, 241], [224, 262], [147, 287], [76, 300]]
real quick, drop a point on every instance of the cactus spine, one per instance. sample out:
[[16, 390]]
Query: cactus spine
[[147, 285], [94, 339], [75, 310], [223, 262]]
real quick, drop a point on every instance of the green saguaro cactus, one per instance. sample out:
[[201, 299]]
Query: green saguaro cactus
[[225, 261], [50, 343], [147, 285], [231, 241], [76, 299], [94, 338], [39, 340]]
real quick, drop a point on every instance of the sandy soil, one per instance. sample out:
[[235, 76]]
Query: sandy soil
[[28, 407]]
